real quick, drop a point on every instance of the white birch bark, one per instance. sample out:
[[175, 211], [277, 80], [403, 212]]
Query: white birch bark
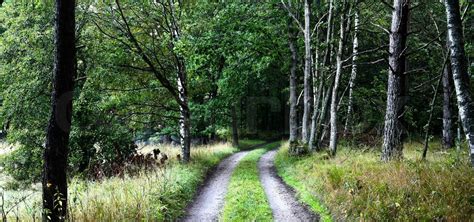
[[460, 74]]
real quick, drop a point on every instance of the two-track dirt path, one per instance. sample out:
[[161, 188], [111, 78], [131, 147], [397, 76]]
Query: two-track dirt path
[[284, 205], [208, 203], [210, 199]]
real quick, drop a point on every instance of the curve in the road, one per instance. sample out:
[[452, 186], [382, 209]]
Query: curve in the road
[[284, 205]]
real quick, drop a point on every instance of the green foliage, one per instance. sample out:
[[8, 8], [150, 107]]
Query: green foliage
[[245, 191], [26, 59], [356, 186]]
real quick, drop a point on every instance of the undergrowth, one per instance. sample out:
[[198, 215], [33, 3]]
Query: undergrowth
[[157, 195]]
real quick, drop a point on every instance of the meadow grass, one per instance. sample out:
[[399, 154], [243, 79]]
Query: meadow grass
[[246, 199], [355, 185], [154, 195]]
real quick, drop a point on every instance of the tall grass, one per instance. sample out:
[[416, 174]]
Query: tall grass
[[154, 195], [355, 185]]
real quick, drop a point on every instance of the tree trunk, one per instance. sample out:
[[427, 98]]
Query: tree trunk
[[432, 105], [185, 114], [307, 73], [322, 126], [355, 50], [392, 147], [235, 127], [460, 74], [333, 112], [327, 54], [292, 37], [448, 137], [316, 98], [57, 137]]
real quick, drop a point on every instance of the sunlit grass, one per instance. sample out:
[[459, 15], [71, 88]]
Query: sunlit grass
[[355, 185], [156, 195]]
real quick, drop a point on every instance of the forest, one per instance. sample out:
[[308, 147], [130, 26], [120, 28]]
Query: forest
[[200, 110]]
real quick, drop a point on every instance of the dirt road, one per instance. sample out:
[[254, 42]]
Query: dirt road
[[282, 199]]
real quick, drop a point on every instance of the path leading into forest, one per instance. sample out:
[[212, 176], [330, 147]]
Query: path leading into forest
[[284, 205], [210, 200]]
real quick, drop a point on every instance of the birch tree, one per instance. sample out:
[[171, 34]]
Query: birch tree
[[307, 73], [334, 98], [459, 70], [157, 58], [307, 86], [355, 50]]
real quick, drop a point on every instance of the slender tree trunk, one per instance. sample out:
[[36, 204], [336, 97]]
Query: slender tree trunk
[[57, 136], [392, 147], [432, 105], [460, 75], [292, 37], [322, 126], [355, 50], [185, 113], [307, 73], [235, 127], [458, 135], [317, 97], [327, 54], [333, 112], [448, 137]]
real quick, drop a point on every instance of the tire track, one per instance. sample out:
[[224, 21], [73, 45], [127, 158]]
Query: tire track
[[284, 205]]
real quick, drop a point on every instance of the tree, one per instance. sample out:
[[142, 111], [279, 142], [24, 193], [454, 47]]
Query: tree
[[459, 69], [334, 101], [307, 87], [396, 92], [355, 50], [292, 40], [163, 27], [448, 136], [57, 137], [307, 79]]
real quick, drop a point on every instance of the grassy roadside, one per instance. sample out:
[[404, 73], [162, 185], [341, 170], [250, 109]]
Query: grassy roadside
[[159, 195], [357, 186], [284, 165], [246, 199]]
